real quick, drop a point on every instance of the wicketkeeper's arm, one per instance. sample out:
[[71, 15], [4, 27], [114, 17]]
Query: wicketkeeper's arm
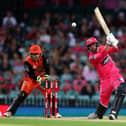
[[43, 78], [29, 70]]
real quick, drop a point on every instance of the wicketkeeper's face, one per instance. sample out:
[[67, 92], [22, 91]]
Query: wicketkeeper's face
[[35, 56], [93, 48]]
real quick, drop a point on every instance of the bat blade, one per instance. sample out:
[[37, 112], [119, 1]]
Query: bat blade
[[101, 21]]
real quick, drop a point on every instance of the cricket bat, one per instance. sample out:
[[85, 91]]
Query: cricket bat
[[102, 22]]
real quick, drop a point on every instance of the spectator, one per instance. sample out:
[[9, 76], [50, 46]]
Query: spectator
[[121, 20], [32, 34], [45, 38], [2, 89], [90, 73], [66, 75], [18, 67], [67, 86], [5, 66], [122, 4], [8, 85], [53, 75], [97, 87], [72, 40], [78, 83], [9, 19], [88, 89]]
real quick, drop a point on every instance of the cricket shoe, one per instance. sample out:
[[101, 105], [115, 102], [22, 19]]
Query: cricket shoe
[[58, 115], [93, 116], [8, 114], [112, 116]]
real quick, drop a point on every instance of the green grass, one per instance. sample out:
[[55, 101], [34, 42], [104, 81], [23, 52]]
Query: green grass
[[60, 122]]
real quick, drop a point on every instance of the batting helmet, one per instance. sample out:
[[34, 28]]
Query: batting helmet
[[35, 49], [90, 41]]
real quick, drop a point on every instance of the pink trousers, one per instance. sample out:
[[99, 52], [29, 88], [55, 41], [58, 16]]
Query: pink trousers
[[107, 86]]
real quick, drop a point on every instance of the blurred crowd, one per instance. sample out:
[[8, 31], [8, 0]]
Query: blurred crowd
[[62, 43]]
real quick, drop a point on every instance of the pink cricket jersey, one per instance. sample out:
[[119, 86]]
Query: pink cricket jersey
[[103, 62]]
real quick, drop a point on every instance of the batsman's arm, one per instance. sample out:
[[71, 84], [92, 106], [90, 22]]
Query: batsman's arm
[[113, 50]]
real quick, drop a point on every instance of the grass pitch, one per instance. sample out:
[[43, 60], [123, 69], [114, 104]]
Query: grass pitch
[[68, 121]]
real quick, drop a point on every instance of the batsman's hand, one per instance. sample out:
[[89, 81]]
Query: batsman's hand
[[42, 80], [111, 40]]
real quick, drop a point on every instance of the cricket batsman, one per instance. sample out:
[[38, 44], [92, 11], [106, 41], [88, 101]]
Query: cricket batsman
[[109, 75], [36, 73]]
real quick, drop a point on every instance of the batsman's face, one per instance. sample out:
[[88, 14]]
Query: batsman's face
[[93, 48], [35, 57]]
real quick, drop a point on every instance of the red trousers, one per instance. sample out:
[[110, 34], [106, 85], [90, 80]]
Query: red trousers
[[30, 84]]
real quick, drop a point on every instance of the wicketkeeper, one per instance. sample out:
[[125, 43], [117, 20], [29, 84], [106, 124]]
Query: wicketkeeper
[[36, 73], [110, 78]]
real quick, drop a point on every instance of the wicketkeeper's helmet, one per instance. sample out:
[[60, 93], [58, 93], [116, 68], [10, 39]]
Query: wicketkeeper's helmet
[[34, 49]]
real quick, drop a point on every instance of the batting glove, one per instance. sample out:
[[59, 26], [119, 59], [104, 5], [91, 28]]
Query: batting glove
[[111, 40], [115, 43]]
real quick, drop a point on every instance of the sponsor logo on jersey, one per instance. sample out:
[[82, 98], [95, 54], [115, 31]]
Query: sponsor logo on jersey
[[105, 61], [92, 57]]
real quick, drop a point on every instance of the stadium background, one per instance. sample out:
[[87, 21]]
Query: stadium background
[[48, 23]]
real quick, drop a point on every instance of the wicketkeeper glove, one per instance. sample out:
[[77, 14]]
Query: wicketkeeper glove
[[111, 40], [42, 80]]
